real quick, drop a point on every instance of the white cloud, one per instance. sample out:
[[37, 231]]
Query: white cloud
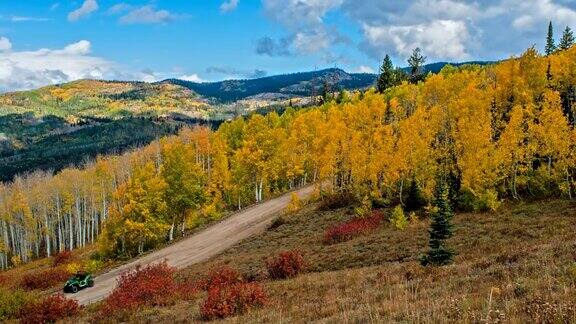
[[534, 13], [229, 5], [304, 20], [88, 7], [147, 15], [26, 19], [5, 44], [439, 39], [33, 69], [299, 13], [118, 8], [192, 78], [82, 47], [364, 69]]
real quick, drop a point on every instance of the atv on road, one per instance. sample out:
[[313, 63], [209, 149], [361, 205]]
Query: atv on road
[[79, 281]]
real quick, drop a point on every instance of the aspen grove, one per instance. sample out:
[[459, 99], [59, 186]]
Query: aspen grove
[[504, 131]]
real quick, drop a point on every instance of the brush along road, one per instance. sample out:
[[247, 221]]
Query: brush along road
[[198, 247]]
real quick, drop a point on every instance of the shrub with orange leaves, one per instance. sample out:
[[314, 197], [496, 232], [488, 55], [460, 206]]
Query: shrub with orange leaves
[[62, 258], [287, 264], [350, 229], [153, 285], [44, 279], [225, 301], [49, 310]]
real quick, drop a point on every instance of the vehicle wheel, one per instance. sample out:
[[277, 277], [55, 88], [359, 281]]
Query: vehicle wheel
[[74, 289], [91, 283]]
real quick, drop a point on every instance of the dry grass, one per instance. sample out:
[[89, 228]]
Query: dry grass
[[517, 265]]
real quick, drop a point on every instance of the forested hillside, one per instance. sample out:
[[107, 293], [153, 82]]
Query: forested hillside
[[504, 131]]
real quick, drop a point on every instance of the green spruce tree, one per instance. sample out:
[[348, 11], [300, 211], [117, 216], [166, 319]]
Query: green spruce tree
[[550, 44], [387, 75], [567, 40], [416, 62], [440, 229], [415, 199]]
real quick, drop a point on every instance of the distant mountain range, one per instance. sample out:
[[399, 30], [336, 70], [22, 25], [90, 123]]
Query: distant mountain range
[[295, 84]]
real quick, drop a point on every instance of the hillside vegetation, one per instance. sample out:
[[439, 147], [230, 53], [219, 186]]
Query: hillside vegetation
[[94, 98], [498, 132], [513, 265]]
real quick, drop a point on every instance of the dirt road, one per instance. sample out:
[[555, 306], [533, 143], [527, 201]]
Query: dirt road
[[200, 246]]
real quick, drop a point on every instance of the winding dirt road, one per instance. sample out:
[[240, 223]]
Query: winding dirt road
[[200, 246]]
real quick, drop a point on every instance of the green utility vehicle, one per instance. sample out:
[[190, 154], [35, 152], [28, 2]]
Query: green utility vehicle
[[79, 281]]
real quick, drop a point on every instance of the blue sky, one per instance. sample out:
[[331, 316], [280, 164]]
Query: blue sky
[[52, 41]]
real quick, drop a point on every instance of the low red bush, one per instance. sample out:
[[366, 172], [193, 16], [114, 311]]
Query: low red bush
[[219, 277], [62, 258], [287, 264], [225, 301], [352, 228], [153, 285], [49, 310], [44, 279]]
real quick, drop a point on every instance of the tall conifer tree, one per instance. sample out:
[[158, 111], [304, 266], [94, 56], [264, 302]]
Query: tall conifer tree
[[550, 44], [567, 40]]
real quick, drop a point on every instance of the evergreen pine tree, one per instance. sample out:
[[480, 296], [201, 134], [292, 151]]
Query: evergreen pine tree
[[567, 40], [387, 75], [416, 61], [326, 92], [550, 45], [415, 200], [440, 230]]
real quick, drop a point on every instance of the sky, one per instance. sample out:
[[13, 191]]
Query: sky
[[54, 41]]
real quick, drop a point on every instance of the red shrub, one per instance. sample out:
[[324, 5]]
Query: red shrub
[[62, 258], [219, 277], [225, 301], [49, 310], [152, 285], [44, 279], [287, 264], [350, 229]]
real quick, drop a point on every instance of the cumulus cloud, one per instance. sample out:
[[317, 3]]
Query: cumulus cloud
[[192, 78], [88, 7], [118, 8], [532, 13], [146, 15], [440, 39], [364, 69], [33, 69], [304, 21], [299, 13], [271, 47], [5, 44], [229, 5]]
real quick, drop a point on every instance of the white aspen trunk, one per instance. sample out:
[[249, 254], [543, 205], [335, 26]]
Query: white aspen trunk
[[260, 190], [47, 234], [70, 230], [171, 233], [60, 245]]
